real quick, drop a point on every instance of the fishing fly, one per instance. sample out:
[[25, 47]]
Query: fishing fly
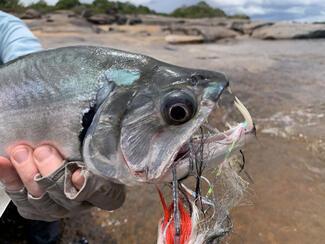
[[208, 201]]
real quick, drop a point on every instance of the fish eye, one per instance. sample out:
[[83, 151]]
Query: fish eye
[[178, 107]]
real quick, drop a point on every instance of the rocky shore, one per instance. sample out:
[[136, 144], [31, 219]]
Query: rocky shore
[[176, 30]]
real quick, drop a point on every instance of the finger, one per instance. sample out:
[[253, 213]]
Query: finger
[[22, 159], [47, 159], [9, 176], [78, 179]]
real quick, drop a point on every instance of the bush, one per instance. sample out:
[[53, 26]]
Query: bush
[[41, 6], [200, 10], [239, 16], [104, 6], [67, 4], [10, 5]]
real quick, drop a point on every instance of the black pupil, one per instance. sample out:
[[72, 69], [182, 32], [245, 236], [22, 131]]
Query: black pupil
[[178, 107], [178, 113]]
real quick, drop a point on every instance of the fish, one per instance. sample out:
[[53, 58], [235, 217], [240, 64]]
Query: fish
[[127, 116]]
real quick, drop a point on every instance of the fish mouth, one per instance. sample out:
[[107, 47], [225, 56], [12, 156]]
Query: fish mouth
[[214, 146]]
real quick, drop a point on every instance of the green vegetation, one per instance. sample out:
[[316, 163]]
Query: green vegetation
[[10, 5], [41, 6], [239, 16], [67, 4], [104, 6], [200, 10], [129, 8]]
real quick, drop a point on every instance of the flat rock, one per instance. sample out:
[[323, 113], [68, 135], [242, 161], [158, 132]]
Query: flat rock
[[166, 21], [135, 21], [248, 28], [61, 23], [215, 33], [209, 33], [121, 19], [101, 19], [290, 31], [184, 39]]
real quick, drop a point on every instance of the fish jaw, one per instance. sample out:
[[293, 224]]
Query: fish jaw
[[218, 148], [159, 166], [148, 141]]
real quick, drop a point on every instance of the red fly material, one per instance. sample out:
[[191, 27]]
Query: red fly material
[[167, 223]]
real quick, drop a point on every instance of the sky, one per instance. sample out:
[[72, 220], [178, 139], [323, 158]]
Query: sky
[[299, 10]]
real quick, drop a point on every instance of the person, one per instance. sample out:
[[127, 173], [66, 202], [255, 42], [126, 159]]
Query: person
[[43, 186]]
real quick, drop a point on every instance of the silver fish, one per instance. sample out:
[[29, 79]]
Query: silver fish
[[127, 116]]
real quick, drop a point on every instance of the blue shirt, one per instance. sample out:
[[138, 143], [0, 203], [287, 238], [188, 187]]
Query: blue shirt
[[15, 38]]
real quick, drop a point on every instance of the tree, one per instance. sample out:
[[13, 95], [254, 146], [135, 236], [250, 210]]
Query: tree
[[9, 4], [41, 5], [103, 4], [67, 4], [200, 10]]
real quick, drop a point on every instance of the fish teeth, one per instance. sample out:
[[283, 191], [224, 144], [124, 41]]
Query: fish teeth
[[243, 110]]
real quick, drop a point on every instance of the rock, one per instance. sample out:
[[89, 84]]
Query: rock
[[184, 39], [57, 22], [121, 19], [101, 19], [209, 33], [49, 19], [182, 29], [248, 27], [215, 33], [160, 20], [135, 21], [166, 21], [86, 13], [31, 14], [290, 31]]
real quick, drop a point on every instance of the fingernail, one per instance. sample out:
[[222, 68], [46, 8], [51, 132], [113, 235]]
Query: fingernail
[[42, 153], [21, 155]]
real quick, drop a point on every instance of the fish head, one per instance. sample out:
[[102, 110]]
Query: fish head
[[163, 115], [143, 129]]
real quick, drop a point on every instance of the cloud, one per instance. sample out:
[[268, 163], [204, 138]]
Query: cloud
[[252, 10], [274, 9]]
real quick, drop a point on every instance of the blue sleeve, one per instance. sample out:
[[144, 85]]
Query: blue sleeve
[[15, 38]]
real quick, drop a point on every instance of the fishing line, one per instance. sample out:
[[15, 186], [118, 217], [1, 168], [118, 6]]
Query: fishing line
[[177, 224]]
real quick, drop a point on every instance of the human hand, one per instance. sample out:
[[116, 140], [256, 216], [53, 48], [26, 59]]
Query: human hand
[[45, 187], [25, 163]]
